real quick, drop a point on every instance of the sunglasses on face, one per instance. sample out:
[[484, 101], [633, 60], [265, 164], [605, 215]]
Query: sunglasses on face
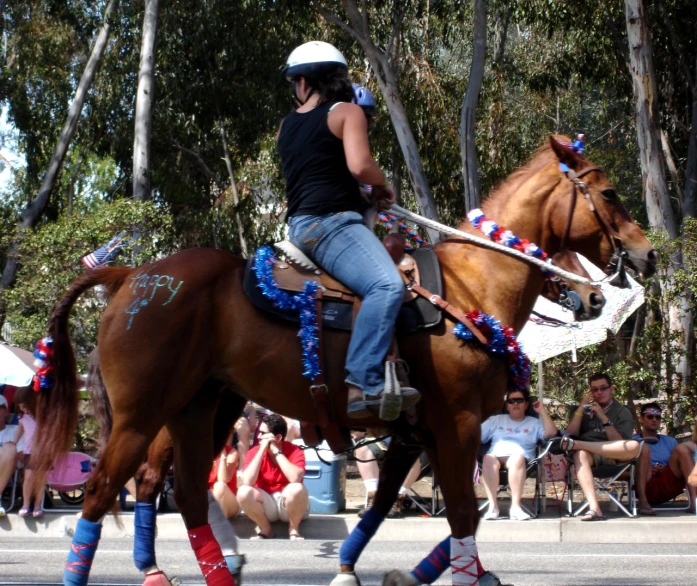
[[653, 417], [516, 401], [600, 389]]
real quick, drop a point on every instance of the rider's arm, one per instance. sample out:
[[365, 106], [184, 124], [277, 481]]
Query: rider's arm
[[348, 122]]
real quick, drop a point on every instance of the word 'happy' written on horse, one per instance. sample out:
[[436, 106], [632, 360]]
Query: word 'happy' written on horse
[[145, 286]]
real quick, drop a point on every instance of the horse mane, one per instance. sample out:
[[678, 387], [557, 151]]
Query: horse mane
[[539, 159]]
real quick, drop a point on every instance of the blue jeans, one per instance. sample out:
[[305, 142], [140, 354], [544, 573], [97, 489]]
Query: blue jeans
[[342, 245]]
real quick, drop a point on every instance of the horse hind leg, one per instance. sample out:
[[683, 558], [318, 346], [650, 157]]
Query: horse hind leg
[[193, 435], [150, 480], [123, 454]]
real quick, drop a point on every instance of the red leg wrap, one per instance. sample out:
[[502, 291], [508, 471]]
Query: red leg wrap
[[210, 558]]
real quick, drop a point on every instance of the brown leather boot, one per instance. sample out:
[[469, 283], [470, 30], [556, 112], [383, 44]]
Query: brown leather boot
[[397, 510], [369, 503]]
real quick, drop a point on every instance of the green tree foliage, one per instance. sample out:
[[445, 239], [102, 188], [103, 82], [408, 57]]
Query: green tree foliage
[[563, 70]]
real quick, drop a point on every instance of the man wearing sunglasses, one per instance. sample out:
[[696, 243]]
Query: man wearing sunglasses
[[663, 469]]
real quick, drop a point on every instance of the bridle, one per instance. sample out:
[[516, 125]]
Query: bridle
[[615, 267]]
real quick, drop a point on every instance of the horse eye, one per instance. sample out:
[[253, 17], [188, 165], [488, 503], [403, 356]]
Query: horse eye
[[609, 193]]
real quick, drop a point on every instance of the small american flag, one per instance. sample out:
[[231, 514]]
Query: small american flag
[[105, 254]]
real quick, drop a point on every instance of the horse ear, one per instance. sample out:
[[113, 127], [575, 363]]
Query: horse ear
[[565, 153]]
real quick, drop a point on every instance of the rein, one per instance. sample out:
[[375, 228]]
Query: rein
[[615, 266], [484, 243]]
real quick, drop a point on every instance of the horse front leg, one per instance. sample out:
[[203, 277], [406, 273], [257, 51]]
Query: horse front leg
[[150, 480], [399, 459], [457, 443]]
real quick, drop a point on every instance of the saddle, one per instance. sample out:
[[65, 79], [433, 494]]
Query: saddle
[[339, 302], [422, 307]]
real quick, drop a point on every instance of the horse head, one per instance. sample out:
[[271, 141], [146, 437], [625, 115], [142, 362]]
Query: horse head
[[586, 301], [587, 216]]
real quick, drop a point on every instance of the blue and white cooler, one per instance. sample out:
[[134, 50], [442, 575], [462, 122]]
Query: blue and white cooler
[[326, 482]]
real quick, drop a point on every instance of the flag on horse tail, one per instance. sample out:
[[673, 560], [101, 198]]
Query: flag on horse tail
[[105, 254]]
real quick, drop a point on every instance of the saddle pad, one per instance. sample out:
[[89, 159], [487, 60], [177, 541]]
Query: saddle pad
[[338, 315]]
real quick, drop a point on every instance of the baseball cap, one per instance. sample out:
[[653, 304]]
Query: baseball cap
[[3, 401]]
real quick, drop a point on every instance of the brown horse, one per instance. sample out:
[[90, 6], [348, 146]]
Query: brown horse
[[177, 331], [151, 475]]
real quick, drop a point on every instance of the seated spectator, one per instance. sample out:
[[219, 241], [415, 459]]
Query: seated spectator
[[692, 478], [368, 458], [513, 438], [247, 428], [222, 481], [293, 430], [273, 481], [11, 454], [663, 469], [34, 480], [599, 418]]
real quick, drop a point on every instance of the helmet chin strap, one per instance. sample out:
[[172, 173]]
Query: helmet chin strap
[[297, 98]]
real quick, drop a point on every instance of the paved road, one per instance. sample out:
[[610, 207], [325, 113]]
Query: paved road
[[312, 563]]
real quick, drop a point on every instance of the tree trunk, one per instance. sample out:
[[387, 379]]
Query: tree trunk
[[235, 194], [658, 204], [468, 146], [387, 80], [690, 196], [32, 215], [677, 315], [144, 101]]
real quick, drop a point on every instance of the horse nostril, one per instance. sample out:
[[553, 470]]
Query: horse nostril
[[653, 257], [597, 301]]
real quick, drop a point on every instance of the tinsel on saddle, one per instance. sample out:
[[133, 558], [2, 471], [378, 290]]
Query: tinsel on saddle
[[502, 342], [303, 303], [44, 361]]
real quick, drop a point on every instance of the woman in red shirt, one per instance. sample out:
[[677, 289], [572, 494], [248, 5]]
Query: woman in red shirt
[[222, 481]]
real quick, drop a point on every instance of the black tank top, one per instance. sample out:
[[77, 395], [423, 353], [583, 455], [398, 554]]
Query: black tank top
[[318, 181]]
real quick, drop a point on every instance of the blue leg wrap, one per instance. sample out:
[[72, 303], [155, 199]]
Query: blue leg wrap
[[355, 543], [430, 568], [82, 550], [144, 541]]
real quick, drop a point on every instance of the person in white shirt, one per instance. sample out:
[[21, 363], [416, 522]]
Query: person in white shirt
[[513, 438], [10, 453]]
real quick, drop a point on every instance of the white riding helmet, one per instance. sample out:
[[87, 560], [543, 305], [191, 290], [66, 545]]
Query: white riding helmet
[[313, 59]]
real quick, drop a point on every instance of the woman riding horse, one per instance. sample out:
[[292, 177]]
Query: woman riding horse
[[325, 154], [178, 331]]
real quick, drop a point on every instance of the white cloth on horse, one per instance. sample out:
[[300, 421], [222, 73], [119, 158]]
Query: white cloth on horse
[[464, 561]]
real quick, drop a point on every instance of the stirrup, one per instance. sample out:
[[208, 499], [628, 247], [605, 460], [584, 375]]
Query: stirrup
[[391, 403]]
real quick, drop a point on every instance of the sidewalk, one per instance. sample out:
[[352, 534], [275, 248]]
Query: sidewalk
[[666, 527]]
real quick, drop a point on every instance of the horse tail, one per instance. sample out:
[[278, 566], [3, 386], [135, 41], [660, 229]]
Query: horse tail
[[101, 406], [56, 416]]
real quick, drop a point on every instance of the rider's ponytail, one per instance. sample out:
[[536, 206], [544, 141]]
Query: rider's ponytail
[[333, 87]]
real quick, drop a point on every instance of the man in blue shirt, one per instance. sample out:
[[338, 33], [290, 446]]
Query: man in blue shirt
[[663, 468]]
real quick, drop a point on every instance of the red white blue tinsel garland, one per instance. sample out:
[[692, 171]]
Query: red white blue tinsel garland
[[43, 360], [502, 342], [502, 236], [303, 303], [389, 221]]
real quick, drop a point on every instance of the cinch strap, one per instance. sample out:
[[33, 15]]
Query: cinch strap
[[464, 561], [82, 550], [430, 568], [144, 541], [210, 558], [363, 532]]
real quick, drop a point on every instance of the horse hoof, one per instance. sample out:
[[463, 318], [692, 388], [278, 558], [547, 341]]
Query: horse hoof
[[346, 579], [397, 578], [159, 579], [490, 579]]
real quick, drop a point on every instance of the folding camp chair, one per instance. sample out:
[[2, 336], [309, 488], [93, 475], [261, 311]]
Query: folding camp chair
[[68, 477], [432, 508], [9, 495], [605, 477]]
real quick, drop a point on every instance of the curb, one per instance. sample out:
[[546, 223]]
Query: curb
[[675, 529]]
